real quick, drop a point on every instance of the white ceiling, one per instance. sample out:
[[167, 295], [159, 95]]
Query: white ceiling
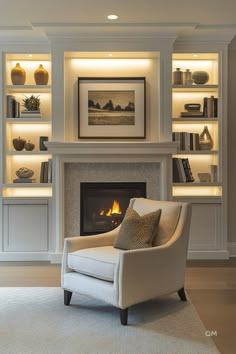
[[187, 17]]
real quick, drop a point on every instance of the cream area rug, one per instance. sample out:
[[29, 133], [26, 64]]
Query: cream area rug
[[35, 321]]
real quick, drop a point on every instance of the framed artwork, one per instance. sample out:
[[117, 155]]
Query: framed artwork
[[112, 108]]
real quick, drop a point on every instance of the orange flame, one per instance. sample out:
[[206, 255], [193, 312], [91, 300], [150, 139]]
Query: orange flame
[[115, 209]]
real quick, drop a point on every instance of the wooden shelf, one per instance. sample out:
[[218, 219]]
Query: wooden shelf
[[197, 152], [198, 88], [28, 88], [27, 153], [190, 120], [30, 120], [28, 185], [198, 184]]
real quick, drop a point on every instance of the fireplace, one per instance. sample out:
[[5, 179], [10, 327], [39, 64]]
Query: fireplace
[[103, 205]]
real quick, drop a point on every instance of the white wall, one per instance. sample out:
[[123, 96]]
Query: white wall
[[231, 144]]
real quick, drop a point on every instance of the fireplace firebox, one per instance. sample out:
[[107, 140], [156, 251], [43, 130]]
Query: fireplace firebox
[[103, 205]]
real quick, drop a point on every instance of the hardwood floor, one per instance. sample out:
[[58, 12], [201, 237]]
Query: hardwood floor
[[210, 285]]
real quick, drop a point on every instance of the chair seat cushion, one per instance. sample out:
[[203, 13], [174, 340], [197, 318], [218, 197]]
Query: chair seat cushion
[[98, 262]]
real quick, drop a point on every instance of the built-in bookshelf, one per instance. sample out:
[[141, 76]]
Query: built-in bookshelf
[[196, 107], [30, 126]]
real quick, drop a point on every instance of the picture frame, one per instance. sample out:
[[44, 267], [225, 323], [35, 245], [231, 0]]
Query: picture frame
[[111, 107]]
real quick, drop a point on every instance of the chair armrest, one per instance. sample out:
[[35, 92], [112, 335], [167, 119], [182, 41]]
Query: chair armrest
[[72, 244], [146, 273]]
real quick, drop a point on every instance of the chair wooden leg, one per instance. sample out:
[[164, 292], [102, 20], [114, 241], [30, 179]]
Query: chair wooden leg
[[182, 294], [67, 297], [124, 316]]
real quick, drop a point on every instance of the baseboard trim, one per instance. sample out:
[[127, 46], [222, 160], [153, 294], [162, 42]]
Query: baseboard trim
[[56, 258], [24, 256], [212, 254], [232, 249]]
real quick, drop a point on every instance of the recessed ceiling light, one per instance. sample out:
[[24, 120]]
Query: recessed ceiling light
[[112, 17]]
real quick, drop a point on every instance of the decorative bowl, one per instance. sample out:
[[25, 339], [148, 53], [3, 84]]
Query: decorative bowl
[[24, 172], [200, 77]]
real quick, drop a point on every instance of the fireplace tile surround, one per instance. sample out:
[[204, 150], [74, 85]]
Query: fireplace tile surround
[[76, 162]]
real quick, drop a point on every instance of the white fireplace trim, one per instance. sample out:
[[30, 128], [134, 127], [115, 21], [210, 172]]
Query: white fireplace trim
[[104, 152]]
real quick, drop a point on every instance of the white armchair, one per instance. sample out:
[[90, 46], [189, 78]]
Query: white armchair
[[92, 266]]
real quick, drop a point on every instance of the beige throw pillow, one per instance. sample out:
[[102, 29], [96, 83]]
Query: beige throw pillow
[[137, 231]]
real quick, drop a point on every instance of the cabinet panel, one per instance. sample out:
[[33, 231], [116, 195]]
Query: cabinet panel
[[205, 227], [25, 228]]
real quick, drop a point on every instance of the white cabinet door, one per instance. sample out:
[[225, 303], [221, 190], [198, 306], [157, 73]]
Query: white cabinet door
[[25, 227], [205, 227]]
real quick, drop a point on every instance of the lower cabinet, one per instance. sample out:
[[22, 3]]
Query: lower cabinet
[[25, 225], [208, 235]]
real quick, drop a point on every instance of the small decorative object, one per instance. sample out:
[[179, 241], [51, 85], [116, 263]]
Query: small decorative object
[[18, 75], [205, 139], [24, 172], [178, 77], [204, 177], [42, 140], [41, 76], [187, 77], [213, 172], [19, 143], [31, 104], [200, 77], [29, 146], [192, 107]]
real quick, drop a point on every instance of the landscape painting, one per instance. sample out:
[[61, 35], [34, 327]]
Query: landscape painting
[[111, 107]]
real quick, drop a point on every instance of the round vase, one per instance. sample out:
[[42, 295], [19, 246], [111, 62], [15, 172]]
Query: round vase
[[29, 146], [200, 77], [41, 75], [18, 143], [18, 75]]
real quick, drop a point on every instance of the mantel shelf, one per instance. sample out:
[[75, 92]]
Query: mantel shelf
[[111, 148]]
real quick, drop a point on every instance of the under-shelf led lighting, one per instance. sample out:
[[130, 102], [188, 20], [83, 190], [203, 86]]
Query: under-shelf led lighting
[[112, 17], [95, 64], [197, 191], [28, 192]]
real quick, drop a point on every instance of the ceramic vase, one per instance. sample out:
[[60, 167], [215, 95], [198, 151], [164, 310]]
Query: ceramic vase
[[205, 139], [41, 75], [187, 77], [18, 75], [18, 143], [178, 77]]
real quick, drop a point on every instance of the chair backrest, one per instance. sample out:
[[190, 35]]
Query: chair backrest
[[169, 216]]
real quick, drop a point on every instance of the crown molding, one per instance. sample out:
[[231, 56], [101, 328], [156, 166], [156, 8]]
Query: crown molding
[[181, 32]]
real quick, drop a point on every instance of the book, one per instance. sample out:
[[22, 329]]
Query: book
[[192, 114], [49, 170], [25, 114], [182, 172], [45, 172], [187, 170], [42, 172], [24, 180], [178, 171]]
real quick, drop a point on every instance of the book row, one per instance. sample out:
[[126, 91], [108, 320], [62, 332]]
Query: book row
[[46, 171], [186, 141], [182, 172]]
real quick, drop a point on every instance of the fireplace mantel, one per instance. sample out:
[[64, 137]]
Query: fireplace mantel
[[111, 148], [94, 161]]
